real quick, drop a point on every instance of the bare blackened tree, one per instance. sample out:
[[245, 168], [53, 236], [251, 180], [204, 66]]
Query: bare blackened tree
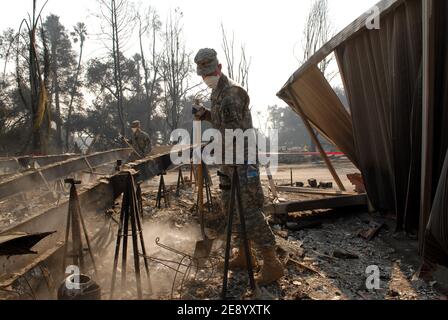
[[149, 28], [318, 31], [237, 69], [79, 34], [175, 69], [118, 25]]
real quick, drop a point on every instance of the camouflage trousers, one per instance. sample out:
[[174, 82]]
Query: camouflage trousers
[[252, 198]]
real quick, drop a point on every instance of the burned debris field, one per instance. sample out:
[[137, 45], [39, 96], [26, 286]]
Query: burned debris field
[[145, 156], [326, 252]]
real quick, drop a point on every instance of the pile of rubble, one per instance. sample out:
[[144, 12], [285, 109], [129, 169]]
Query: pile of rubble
[[328, 255], [331, 260]]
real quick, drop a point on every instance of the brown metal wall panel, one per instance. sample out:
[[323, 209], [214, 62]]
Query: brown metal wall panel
[[387, 80], [436, 231], [382, 73], [436, 237]]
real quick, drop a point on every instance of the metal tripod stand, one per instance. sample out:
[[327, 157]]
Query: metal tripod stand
[[235, 196], [75, 221], [130, 215], [207, 184], [162, 193], [180, 182]]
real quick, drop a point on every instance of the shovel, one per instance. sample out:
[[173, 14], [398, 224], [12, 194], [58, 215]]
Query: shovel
[[130, 146], [203, 248]]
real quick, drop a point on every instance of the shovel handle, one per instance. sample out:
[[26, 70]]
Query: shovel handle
[[200, 178]]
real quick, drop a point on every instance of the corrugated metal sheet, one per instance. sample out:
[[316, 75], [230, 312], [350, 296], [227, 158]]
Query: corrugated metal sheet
[[383, 71]]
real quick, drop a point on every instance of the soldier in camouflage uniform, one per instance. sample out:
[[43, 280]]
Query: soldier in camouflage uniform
[[230, 110], [140, 142]]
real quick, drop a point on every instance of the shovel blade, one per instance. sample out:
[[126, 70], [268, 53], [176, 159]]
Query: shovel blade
[[203, 249]]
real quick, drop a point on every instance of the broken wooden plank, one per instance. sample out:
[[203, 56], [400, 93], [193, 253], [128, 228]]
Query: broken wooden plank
[[7, 280], [304, 266], [328, 203], [344, 254], [288, 189], [372, 232]]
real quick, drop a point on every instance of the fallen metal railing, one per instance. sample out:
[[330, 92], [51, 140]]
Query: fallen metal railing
[[19, 163], [24, 182], [96, 198]]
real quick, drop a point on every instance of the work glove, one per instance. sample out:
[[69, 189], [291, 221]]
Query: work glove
[[123, 139], [199, 112]]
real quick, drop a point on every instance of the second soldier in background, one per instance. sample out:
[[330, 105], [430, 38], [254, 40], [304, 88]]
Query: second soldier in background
[[140, 142]]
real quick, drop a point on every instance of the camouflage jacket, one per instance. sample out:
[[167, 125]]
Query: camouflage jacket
[[230, 109], [141, 143], [230, 106]]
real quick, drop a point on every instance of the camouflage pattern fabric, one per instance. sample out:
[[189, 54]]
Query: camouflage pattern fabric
[[230, 110], [142, 144]]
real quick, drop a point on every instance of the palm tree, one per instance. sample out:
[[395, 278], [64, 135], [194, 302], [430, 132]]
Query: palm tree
[[79, 35]]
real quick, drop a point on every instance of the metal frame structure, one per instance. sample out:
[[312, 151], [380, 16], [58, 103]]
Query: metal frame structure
[[93, 199], [24, 182], [311, 78], [386, 86], [19, 163]]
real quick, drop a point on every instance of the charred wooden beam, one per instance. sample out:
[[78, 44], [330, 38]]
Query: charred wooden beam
[[28, 181], [314, 191], [328, 203]]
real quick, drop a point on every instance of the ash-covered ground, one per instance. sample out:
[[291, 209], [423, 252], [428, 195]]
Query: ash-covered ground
[[324, 255], [327, 260]]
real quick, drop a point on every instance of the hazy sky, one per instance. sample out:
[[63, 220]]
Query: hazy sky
[[270, 29]]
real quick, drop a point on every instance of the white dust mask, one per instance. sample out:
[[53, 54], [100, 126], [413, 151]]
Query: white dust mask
[[212, 82]]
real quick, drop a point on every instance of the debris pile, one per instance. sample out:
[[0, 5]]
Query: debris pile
[[329, 260]]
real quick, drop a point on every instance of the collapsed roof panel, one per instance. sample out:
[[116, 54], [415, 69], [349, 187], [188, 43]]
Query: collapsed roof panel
[[382, 71], [324, 110]]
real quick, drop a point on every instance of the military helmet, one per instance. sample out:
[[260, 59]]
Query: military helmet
[[135, 124], [207, 61]]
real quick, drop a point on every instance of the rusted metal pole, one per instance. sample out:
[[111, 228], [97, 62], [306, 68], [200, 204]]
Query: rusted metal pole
[[316, 140], [292, 180]]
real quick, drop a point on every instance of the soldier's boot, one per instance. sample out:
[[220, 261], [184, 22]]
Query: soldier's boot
[[272, 269], [240, 260]]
